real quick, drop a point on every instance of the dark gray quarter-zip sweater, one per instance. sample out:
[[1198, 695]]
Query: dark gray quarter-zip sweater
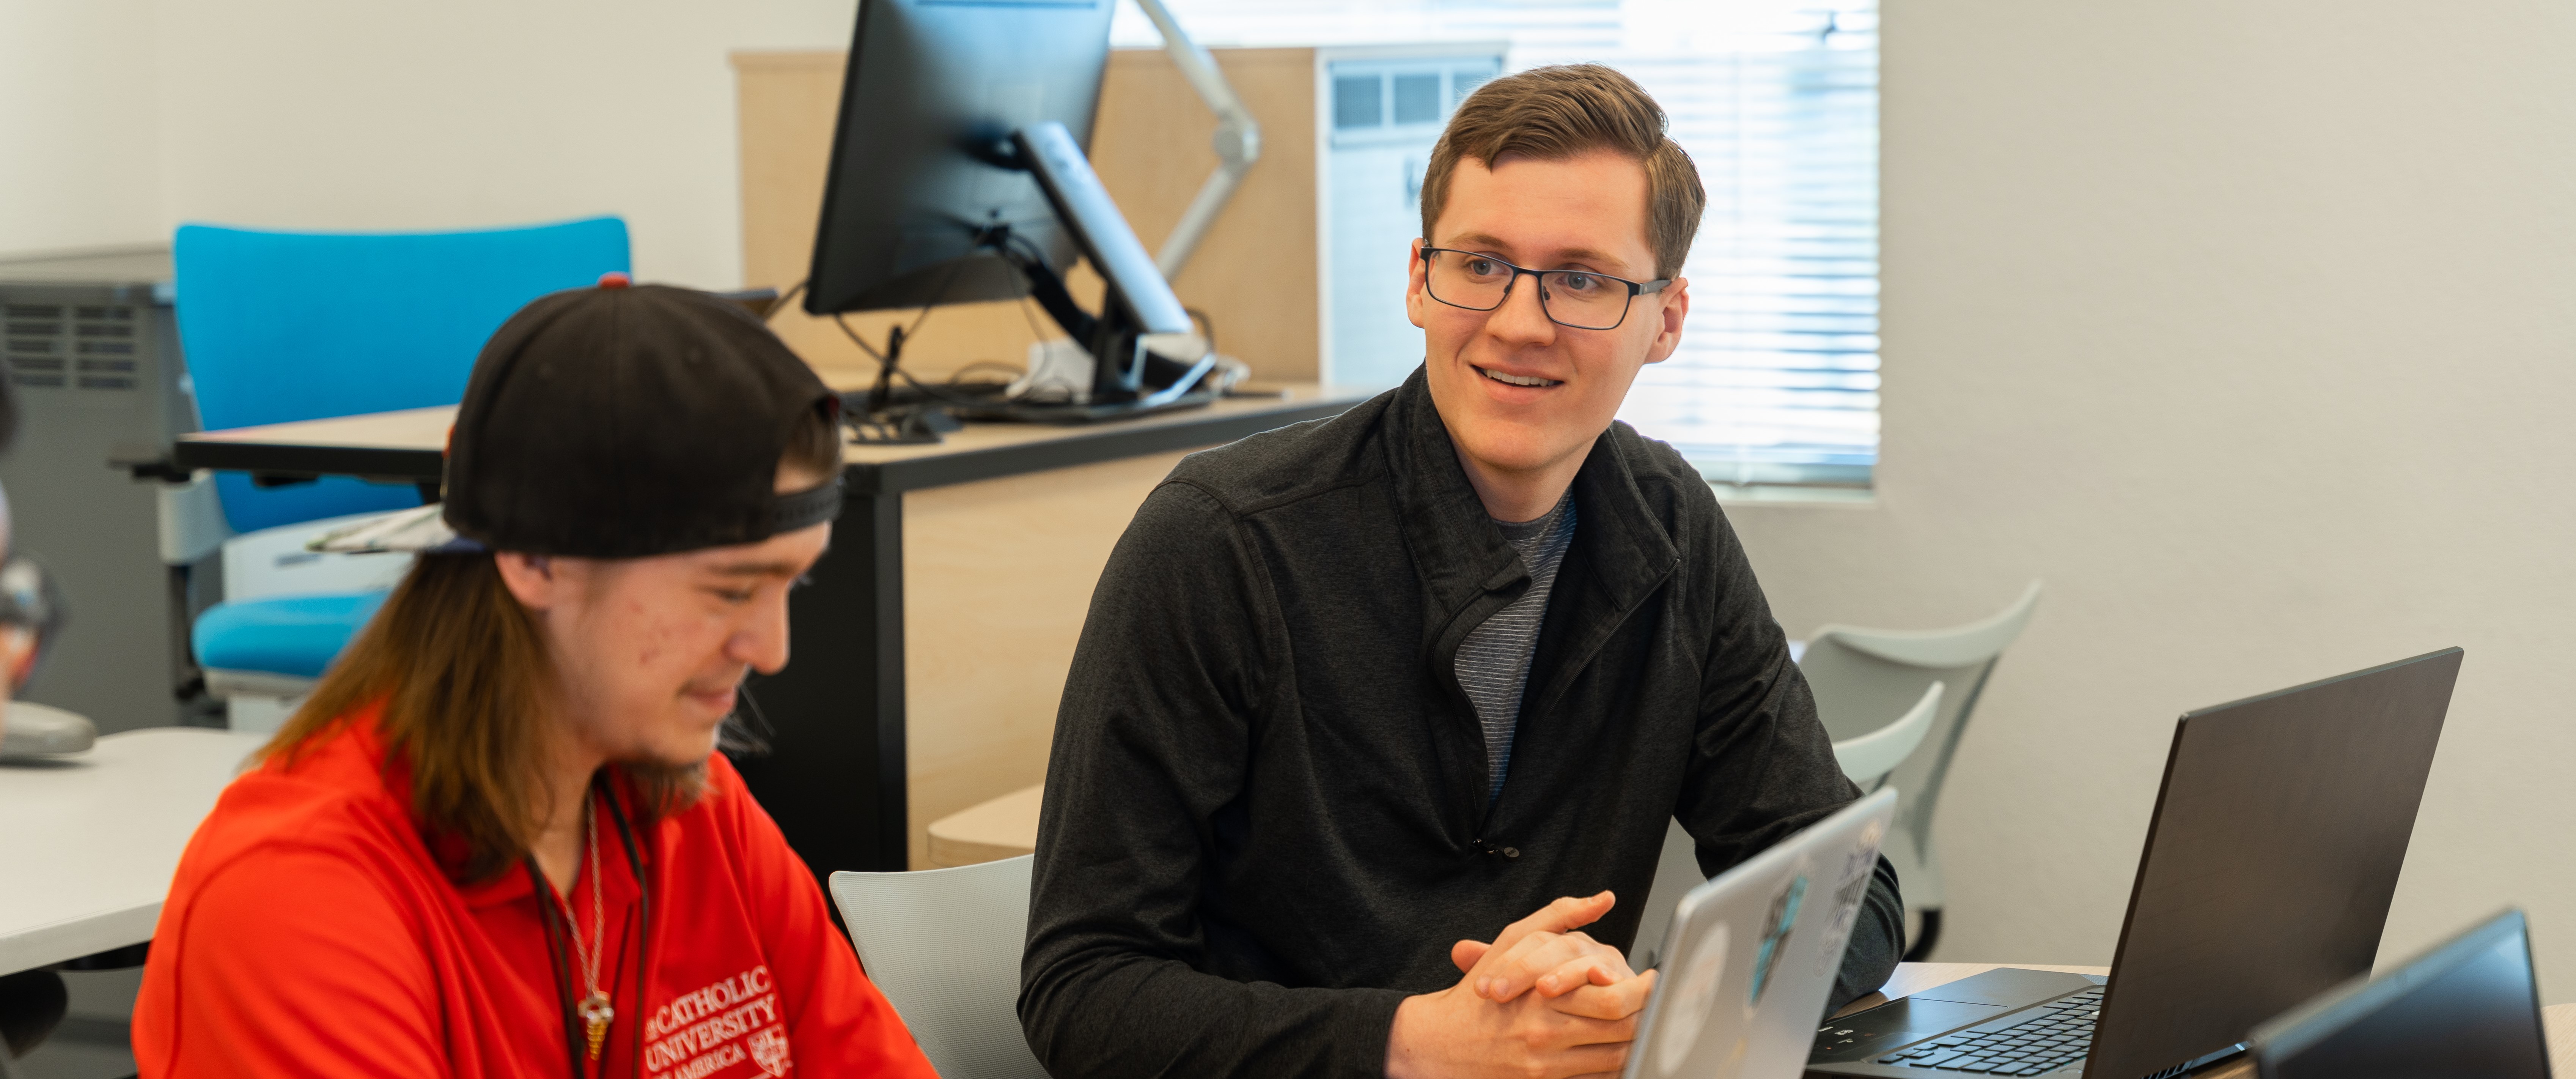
[[1266, 817]]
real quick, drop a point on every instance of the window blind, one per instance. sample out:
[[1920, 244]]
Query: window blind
[[1776, 379]]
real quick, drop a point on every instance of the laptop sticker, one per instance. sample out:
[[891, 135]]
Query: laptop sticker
[[1775, 936], [1689, 1007], [1858, 866]]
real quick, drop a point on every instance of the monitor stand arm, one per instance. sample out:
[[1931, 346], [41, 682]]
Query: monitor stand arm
[[1237, 141], [1122, 369], [1048, 290]]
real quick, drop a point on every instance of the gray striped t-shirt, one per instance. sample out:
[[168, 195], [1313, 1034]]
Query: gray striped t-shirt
[[1494, 661]]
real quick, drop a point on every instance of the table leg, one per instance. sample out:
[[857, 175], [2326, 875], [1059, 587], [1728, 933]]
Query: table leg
[[834, 773]]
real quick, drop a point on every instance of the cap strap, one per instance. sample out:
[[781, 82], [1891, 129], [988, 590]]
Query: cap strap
[[811, 506]]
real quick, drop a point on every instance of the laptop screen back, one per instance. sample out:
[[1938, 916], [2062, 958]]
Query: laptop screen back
[[2270, 860], [1755, 951], [2469, 1008]]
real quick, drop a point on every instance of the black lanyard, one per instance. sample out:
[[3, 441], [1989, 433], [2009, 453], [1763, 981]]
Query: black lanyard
[[559, 942]]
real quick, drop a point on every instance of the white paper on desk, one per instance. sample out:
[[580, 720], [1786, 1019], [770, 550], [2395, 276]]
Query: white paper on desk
[[1059, 371], [407, 530]]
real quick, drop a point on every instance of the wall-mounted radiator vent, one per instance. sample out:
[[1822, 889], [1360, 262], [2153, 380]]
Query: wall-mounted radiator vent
[[103, 339], [82, 347], [38, 356]]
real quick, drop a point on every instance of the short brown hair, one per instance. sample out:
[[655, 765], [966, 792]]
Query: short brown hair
[[464, 676], [1558, 112]]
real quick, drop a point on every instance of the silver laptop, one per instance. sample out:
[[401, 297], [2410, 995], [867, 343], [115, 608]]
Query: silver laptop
[[1755, 950]]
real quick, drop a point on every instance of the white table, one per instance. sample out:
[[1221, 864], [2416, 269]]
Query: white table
[[88, 843]]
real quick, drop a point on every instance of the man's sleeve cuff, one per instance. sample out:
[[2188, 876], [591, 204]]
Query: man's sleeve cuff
[[1361, 1030]]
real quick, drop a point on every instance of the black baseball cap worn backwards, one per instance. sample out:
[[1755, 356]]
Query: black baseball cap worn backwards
[[629, 421]]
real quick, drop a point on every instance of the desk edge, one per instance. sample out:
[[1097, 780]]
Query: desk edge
[[402, 465], [1105, 442], [1092, 445], [46, 945]]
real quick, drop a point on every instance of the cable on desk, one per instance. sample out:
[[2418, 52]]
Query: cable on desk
[[889, 361], [793, 291], [890, 367], [1207, 326], [1036, 332], [957, 378]]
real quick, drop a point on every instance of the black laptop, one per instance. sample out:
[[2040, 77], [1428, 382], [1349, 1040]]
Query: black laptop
[[2467, 1008], [2269, 864]]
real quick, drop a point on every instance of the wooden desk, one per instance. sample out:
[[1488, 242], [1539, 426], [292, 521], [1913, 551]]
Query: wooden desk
[[837, 778], [90, 841], [1915, 977]]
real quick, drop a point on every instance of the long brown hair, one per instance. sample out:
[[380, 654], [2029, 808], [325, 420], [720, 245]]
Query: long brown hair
[[467, 684]]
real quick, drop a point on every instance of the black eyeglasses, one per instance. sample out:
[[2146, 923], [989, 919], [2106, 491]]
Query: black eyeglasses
[[1578, 299]]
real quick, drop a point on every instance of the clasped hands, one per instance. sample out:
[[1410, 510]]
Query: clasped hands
[[1541, 1002]]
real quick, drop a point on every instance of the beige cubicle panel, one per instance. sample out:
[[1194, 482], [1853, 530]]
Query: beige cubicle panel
[[998, 574], [1254, 274], [997, 577]]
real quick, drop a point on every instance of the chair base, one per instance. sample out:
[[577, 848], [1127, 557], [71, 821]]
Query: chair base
[[260, 715], [225, 685], [32, 1004], [257, 701]]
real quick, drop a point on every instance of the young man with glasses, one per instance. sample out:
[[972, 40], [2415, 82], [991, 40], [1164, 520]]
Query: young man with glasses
[[1356, 697]]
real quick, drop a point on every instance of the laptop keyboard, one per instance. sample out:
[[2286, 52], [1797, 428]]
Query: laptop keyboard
[[2057, 1034]]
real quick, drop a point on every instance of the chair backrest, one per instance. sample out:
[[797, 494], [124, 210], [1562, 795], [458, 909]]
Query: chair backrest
[[1868, 758], [284, 326], [944, 946], [1862, 676]]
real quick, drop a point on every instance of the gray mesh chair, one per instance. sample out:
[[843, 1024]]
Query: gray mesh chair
[[32, 1004], [1860, 676], [944, 946]]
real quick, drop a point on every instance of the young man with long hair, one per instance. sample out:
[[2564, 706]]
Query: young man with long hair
[[1357, 697], [496, 840]]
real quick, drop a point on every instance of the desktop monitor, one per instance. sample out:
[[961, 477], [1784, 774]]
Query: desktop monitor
[[957, 174], [2468, 1008]]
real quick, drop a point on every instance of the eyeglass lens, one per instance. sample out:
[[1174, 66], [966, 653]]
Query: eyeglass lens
[[1575, 298]]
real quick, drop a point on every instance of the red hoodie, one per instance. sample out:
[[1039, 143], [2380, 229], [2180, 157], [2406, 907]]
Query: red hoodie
[[310, 931]]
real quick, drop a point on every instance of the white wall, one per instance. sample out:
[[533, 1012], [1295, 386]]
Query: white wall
[[334, 115], [77, 127], [2249, 327]]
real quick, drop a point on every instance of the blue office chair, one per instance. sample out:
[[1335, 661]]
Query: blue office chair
[[285, 326]]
